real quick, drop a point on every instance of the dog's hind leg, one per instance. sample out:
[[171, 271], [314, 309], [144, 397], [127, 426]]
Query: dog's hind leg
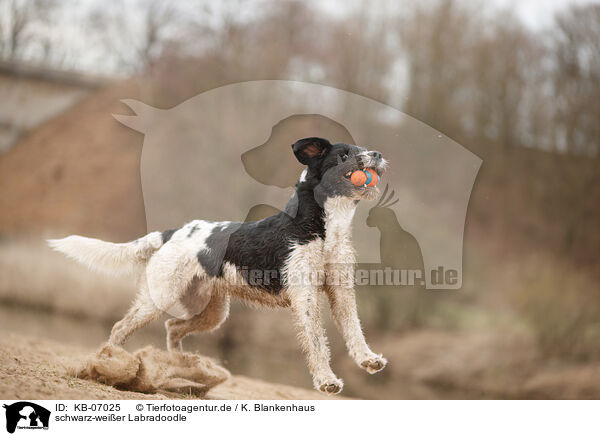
[[140, 314], [164, 281], [211, 318]]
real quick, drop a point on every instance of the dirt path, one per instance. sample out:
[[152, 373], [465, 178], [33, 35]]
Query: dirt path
[[32, 368]]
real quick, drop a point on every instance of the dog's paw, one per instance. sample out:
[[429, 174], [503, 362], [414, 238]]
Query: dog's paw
[[374, 364], [333, 386]]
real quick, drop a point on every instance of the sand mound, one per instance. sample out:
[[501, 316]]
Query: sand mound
[[36, 368], [151, 370]]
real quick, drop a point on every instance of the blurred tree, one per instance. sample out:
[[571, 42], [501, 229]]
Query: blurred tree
[[18, 19], [472, 76], [575, 60], [503, 57], [437, 40], [576, 56], [134, 34]]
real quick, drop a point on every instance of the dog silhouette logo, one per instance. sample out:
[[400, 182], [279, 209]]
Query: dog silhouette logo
[[225, 153], [26, 415]]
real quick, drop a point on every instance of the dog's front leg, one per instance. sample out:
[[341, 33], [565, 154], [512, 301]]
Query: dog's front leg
[[305, 307], [304, 276], [342, 300]]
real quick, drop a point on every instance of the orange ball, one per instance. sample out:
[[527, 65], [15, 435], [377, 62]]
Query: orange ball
[[358, 178], [374, 179]]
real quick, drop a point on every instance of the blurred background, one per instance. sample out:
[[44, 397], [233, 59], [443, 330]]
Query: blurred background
[[516, 83]]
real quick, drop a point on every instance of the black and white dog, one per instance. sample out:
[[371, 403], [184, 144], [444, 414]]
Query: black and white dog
[[284, 260]]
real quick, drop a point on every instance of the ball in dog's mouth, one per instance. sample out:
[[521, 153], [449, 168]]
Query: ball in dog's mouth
[[366, 178]]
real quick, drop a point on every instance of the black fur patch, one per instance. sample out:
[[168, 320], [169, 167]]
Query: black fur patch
[[213, 257], [259, 249], [167, 234], [192, 231]]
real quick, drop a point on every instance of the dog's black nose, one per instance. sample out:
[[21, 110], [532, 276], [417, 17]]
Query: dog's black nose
[[375, 154]]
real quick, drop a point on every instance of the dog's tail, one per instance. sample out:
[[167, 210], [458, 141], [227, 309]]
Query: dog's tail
[[109, 257]]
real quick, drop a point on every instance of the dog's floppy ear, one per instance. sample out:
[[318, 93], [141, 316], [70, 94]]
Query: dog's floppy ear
[[309, 149]]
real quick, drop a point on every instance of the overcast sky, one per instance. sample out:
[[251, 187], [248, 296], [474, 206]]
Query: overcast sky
[[535, 13], [73, 35], [538, 13]]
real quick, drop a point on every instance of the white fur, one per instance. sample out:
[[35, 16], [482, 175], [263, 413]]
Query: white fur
[[171, 269], [303, 175], [189, 246], [339, 212], [108, 257]]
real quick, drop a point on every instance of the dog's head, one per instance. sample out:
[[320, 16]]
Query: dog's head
[[329, 167]]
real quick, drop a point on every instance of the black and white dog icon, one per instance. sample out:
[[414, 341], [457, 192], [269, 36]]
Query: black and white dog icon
[[24, 414]]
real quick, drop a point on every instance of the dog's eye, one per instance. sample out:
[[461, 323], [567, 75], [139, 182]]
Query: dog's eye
[[344, 157]]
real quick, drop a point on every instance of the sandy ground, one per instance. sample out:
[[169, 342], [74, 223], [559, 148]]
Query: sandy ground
[[32, 368], [480, 365]]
